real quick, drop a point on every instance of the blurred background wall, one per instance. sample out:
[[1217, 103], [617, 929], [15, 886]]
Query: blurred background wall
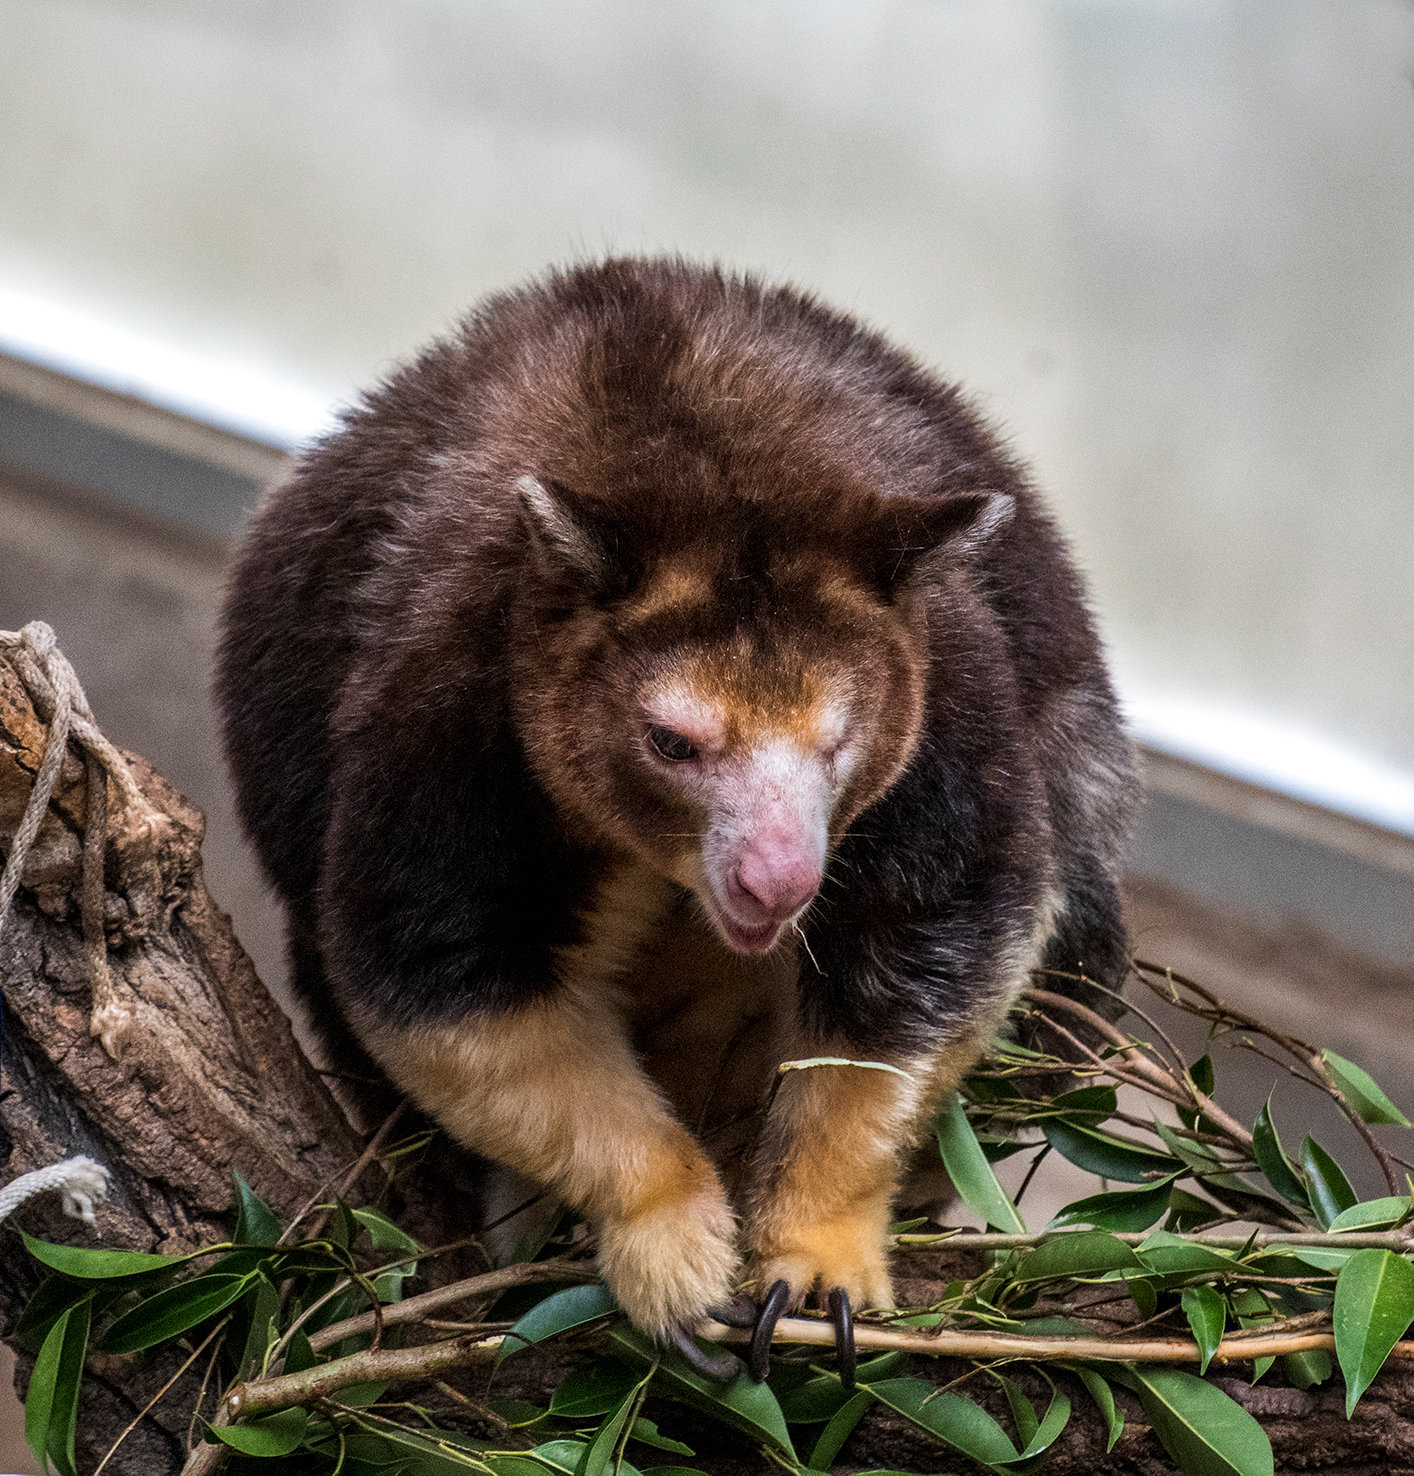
[[1170, 245]]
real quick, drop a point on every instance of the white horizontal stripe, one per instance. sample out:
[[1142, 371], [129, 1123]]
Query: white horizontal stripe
[[215, 391], [1276, 756]]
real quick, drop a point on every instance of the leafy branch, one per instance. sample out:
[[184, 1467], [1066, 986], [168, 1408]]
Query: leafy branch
[[1216, 1247]]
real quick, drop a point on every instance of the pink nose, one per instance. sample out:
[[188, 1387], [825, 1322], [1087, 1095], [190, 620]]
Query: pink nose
[[774, 879]]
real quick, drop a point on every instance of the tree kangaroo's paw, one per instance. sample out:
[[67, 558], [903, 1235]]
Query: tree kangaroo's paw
[[845, 1263], [669, 1265]]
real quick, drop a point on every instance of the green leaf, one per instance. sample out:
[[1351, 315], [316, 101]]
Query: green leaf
[[1189, 1212], [52, 1400], [1023, 1412], [1195, 1155], [52, 1298], [592, 1389], [1109, 1156], [384, 1235], [1124, 1210], [1374, 1305], [1323, 1260], [599, 1458], [1089, 1105], [1372, 1214], [255, 1223], [558, 1313], [173, 1310], [957, 1421], [264, 1312], [275, 1435], [969, 1170], [1273, 1162], [96, 1265], [438, 1453], [1053, 1423], [1205, 1432], [1206, 1312], [1308, 1368], [1362, 1092], [1099, 1390], [1330, 1189], [811, 1403], [562, 1455], [884, 1366], [298, 1353], [1079, 1253], [1237, 1193], [1145, 1296], [1200, 1073], [1170, 1255], [360, 1396], [646, 1432], [520, 1414], [673, 1471], [840, 1428], [744, 1404]]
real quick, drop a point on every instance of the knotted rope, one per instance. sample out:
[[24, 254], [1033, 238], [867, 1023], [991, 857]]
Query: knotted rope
[[59, 700]]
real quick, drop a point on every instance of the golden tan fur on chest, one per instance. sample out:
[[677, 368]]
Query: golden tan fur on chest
[[710, 1026]]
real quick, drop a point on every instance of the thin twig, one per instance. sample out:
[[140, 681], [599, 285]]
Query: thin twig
[[143, 1413], [1141, 1063], [1128, 1004], [371, 1150], [524, 1273], [499, 1423]]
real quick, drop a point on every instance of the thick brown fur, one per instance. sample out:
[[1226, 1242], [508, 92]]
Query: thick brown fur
[[632, 491]]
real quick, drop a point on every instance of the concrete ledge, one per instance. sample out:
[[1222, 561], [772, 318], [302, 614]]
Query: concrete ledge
[[161, 469]]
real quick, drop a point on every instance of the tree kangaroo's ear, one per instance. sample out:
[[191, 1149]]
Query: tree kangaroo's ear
[[913, 532], [561, 529]]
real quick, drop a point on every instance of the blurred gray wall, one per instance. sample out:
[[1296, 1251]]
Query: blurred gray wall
[[1169, 244]]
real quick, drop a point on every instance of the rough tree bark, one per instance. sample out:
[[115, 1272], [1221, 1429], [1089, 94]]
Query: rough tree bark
[[212, 1078]]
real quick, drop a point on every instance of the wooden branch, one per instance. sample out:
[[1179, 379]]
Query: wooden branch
[[416, 1309], [966, 1240]]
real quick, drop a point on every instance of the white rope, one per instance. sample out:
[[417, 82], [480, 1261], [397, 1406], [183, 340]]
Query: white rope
[[83, 1180], [59, 700]]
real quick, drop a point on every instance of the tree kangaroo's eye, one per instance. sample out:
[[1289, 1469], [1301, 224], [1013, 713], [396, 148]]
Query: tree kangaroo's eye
[[672, 746]]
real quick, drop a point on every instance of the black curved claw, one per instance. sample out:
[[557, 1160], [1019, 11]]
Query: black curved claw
[[843, 1318], [721, 1370], [739, 1312], [759, 1356]]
